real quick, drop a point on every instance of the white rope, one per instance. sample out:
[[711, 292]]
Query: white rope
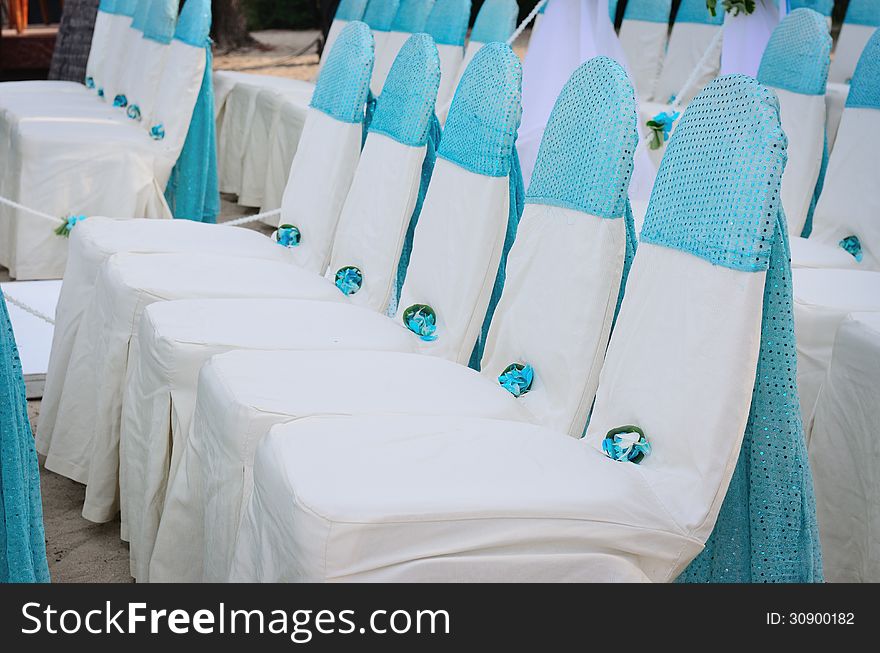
[[528, 19], [252, 218], [21, 207], [234, 223], [27, 309], [697, 71]]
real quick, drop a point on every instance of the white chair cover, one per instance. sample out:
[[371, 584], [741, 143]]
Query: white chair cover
[[843, 451], [464, 499], [471, 142], [342, 95], [643, 37]]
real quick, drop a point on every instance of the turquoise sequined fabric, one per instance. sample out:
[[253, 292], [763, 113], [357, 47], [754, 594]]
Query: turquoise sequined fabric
[[766, 531], [108, 6], [586, 156], [496, 21], [864, 91], [380, 14], [126, 7], [695, 11], [192, 192], [824, 7], [161, 21], [344, 81], [22, 541], [798, 54], [694, 180], [652, 11], [411, 16], [481, 127], [349, 10], [139, 20], [406, 107], [863, 12], [448, 22]]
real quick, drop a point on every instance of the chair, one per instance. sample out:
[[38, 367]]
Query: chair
[[458, 498], [384, 196], [317, 195], [116, 166], [846, 223], [795, 66], [495, 22], [643, 37], [456, 276]]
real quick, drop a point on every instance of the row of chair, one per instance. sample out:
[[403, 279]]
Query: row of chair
[[106, 147], [359, 446]]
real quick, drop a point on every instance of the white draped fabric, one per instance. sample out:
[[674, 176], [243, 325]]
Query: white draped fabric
[[745, 37], [571, 32]]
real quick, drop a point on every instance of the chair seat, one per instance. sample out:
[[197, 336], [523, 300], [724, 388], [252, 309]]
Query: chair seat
[[175, 339], [822, 299], [91, 404], [810, 253], [24, 106], [456, 499], [97, 239], [242, 394]]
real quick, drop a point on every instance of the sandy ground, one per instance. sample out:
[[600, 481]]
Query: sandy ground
[[78, 550]]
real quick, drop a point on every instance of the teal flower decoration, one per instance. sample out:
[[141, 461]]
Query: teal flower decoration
[[349, 279], [90, 82], [68, 225], [120, 101], [422, 321], [100, 92], [626, 444], [287, 236], [157, 132], [517, 379], [735, 7], [853, 246], [134, 112], [660, 126]]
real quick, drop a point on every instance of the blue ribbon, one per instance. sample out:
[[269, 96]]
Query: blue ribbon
[[349, 280], [517, 379], [852, 245], [626, 444], [287, 235], [422, 321]]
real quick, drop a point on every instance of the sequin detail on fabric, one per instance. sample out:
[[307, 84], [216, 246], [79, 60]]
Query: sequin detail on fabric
[[710, 196], [481, 128], [798, 54], [406, 107], [864, 91], [344, 81], [585, 161]]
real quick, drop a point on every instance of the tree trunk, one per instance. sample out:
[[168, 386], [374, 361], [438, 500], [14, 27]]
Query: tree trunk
[[229, 29], [74, 40]]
